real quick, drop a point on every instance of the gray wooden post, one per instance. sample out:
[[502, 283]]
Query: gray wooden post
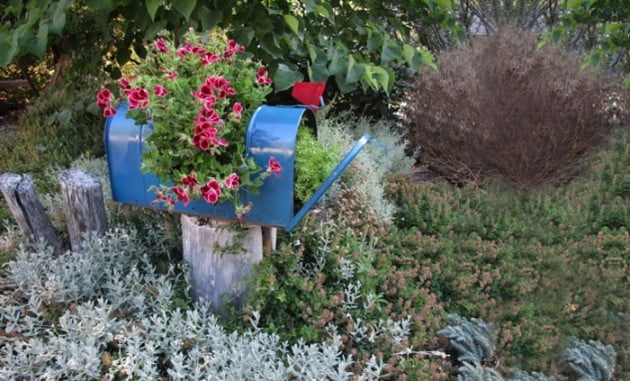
[[215, 271], [27, 210], [83, 204], [269, 238]]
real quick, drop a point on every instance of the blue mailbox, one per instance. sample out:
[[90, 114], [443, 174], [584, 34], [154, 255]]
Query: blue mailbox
[[272, 131]]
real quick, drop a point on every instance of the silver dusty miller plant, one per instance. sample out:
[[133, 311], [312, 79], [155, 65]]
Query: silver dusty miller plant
[[107, 311], [592, 361]]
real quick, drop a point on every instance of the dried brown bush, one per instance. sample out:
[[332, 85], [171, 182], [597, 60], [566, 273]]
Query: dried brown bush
[[499, 106]]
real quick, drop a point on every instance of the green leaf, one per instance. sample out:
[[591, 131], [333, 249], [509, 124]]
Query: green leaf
[[318, 72], [292, 22], [339, 61], [310, 6], [427, 58], [99, 5], [8, 47], [354, 72], [574, 4], [391, 51], [185, 7], [323, 11], [42, 39], [152, 7], [285, 77], [269, 45], [243, 35], [209, 19], [375, 40], [381, 77], [58, 21]]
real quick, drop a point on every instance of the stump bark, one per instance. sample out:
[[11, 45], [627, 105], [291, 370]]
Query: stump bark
[[28, 211], [84, 205], [220, 259]]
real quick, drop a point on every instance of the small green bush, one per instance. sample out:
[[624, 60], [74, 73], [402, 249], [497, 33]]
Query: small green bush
[[313, 164]]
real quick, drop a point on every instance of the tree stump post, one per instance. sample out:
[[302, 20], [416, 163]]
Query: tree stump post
[[28, 211], [269, 238], [84, 205], [215, 267]]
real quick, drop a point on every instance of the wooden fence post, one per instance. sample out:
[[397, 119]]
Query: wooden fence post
[[214, 269], [27, 210], [83, 204]]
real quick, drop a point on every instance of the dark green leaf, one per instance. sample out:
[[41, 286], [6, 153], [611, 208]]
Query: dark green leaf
[[428, 59], [318, 72], [209, 18], [99, 5], [152, 7], [269, 45], [8, 47], [391, 51], [375, 40], [292, 22], [243, 35], [285, 77], [185, 7], [58, 21]]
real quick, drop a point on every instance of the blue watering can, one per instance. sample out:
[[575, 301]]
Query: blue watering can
[[272, 131]]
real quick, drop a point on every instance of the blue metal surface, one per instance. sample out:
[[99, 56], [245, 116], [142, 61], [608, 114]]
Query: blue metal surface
[[272, 131]]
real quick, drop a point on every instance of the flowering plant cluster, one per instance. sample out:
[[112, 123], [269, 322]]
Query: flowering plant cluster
[[199, 97]]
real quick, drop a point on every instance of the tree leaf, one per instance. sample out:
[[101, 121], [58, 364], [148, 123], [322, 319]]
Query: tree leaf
[[209, 18], [58, 21], [375, 40], [428, 59], [185, 7], [243, 35], [391, 51], [292, 22], [42, 39], [269, 45], [285, 77], [99, 5], [152, 7], [8, 47]]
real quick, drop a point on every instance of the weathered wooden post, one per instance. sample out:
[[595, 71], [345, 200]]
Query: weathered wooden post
[[220, 258], [83, 204], [27, 210]]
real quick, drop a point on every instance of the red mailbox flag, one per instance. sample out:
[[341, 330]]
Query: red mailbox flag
[[309, 94]]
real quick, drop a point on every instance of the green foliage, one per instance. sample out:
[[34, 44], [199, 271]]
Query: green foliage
[[317, 39], [601, 27], [592, 361], [331, 278], [60, 126], [313, 164], [542, 266]]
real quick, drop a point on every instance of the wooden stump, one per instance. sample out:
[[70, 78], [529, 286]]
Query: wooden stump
[[83, 204], [27, 210], [215, 270], [269, 236]]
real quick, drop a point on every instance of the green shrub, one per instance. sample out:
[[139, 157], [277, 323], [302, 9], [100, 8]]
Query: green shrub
[[313, 164]]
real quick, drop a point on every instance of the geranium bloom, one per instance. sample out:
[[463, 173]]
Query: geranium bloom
[[208, 59], [124, 82], [138, 97], [274, 166], [232, 181], [160, 91], [103, 97], [190, 181], [261, 77], [161, 46], [109, 111], [237, 109], [181, 195], [171, 75], [211, 192]]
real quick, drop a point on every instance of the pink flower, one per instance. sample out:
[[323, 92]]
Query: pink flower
[[208, 59], [182, 52], [208, 102], [124, 82], [109, 111], [138, 97], [237, 109], [171, 75], [211, 191], [274, 166], [232, 181], [190, 181], [181, 195], [232, 49], [221, 142], [261, 72], [103, 97], [161, 46], [160, 91]]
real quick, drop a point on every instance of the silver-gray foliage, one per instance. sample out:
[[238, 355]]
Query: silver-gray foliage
[[592, 361], [107, 311], [521, 375], [477, 372], [342, 131], [473, 339]]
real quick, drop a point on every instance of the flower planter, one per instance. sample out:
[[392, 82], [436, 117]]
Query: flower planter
[[272, 131]]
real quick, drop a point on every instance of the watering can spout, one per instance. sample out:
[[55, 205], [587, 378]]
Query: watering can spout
[[334, 175]]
